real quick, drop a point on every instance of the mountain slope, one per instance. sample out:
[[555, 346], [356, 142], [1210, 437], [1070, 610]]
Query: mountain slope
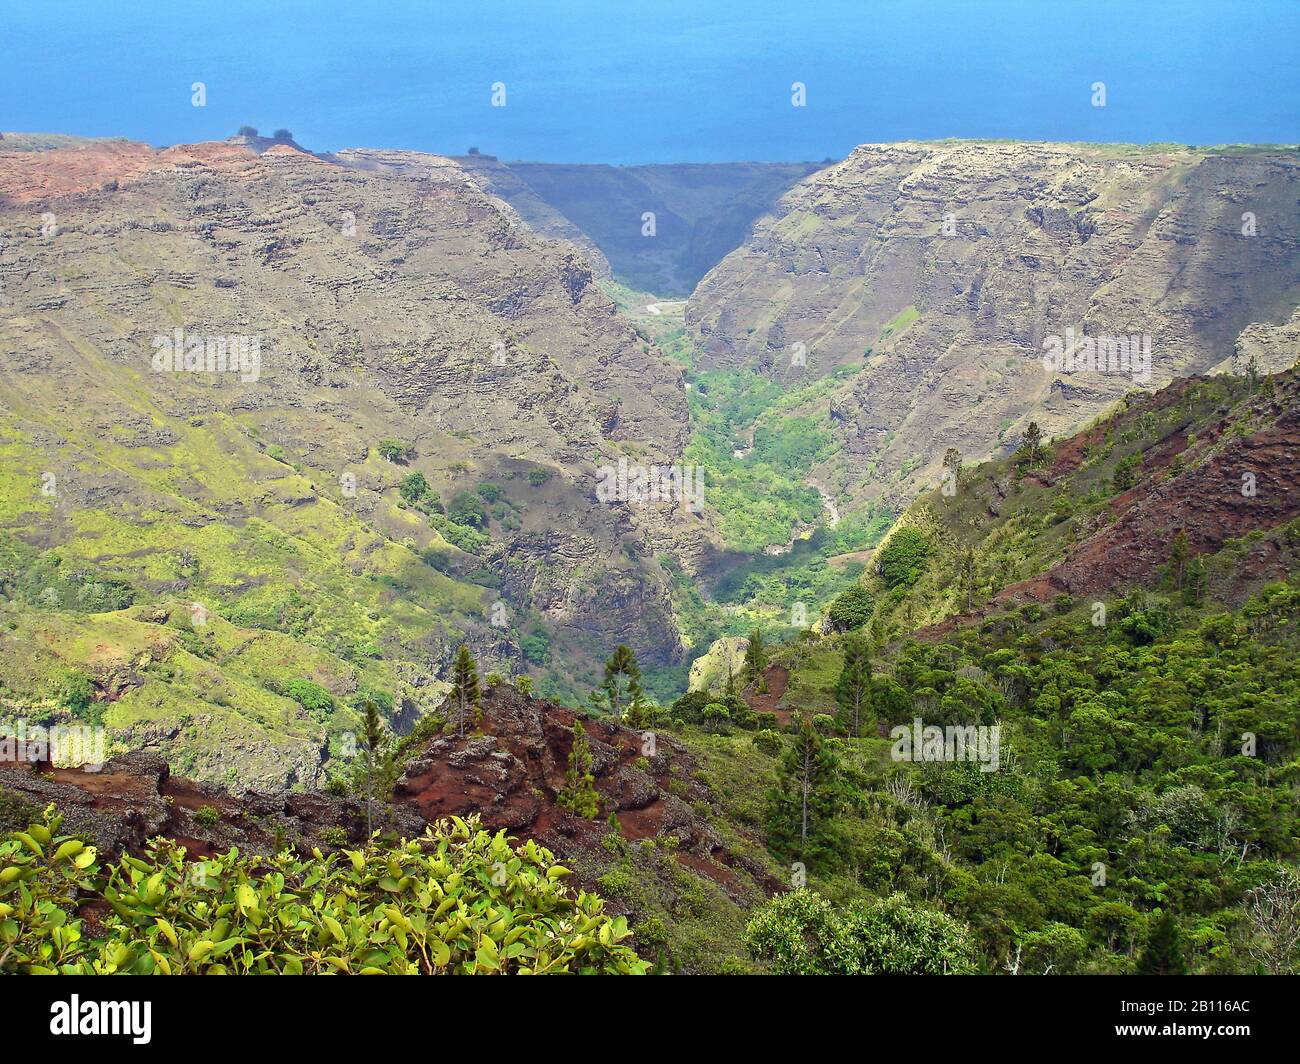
[[1191, 490], [383, 307], [931, 274]]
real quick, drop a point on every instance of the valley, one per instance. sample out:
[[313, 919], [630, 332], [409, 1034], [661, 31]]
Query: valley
[[353, 562]]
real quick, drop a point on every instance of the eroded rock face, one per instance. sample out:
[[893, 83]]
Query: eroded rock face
[[134, 798], [512, 772], [390, 296], [997, 247], [507, 771], [1228, 485]]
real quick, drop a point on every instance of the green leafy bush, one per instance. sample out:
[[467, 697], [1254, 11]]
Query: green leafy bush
[[466, 508], [851, 609], [800, 933], [311, 696], [458, 901], [903, 557]]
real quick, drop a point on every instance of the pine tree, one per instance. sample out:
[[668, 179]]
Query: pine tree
[[755, 660], [622, 683], [464, 688], [806, 796], [376, 761], [1033, 442], [1178, 555], [579, 791], [853, 690], [1163, 954], [968, 576]]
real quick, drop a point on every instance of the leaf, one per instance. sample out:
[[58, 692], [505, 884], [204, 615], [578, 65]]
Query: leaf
[[225, 946], [335, 928], [69, 849], [557, 872], [200, 949], [169, 931], [29, 842], [440, 952]]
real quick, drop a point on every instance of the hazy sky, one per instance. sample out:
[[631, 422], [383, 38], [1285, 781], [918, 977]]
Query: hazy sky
[[618, 81]]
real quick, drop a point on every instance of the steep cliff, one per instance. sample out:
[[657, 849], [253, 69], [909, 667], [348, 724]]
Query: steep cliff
[[347, 327], [931, 275]]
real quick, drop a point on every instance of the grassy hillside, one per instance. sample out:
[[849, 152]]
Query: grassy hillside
[[1148, 757]]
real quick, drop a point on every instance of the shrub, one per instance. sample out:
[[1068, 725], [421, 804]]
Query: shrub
[[851, 609], [207, 815], [799, 933], [335, 837], [414, 489], [394, 450], [904, 557], [536, 646], [458, 901], [466, 508], [76, 693], [311, 696]]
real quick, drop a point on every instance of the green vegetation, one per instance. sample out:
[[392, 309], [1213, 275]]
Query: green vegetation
[[311, 696], [465, 697], [851, 609], [1145, 780], [801, 934], [579, 791], [458, 901], [620, 691], [903, 557], [760, 498]]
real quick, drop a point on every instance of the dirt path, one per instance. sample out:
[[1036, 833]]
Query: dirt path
[[778, 678]]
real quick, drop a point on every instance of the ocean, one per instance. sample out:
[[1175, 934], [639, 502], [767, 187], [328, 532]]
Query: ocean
[[672, 81]]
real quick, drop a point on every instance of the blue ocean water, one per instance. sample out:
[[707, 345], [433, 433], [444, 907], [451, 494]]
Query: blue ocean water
[[674, 80]]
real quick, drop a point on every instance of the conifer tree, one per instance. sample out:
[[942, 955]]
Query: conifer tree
[[1032, 444], [375, 763], [579, 791], [1179, 552], [622, 683], [465, 692], [968, 576], [806, 797], [1163, 954], [756, 660], [853, 690]]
